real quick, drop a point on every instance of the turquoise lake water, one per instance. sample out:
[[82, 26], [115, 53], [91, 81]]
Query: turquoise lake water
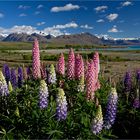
[[126, 48]]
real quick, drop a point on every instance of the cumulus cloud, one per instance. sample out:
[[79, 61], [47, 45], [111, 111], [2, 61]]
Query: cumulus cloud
[[40, 23], [68, 25], [112, 17], [101, 8], [67, 7], [127, 3], [100, 20], [18, 29], [22, 15], [114, 29], [1, 15], [86, 26], [23, 7], [40, 6]]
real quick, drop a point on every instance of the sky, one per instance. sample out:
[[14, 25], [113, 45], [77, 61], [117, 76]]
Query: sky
[[118, 19]]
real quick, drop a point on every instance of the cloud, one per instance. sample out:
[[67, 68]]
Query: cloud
[[1, 15], [100, 20], [37, 12], [127, 3], [114, 29], [18, 29], [86, 26], [41, 23], [112, 17], [67, 7], [23, 7], [22, 15], [68, 25], [40, 6], [101, 8]]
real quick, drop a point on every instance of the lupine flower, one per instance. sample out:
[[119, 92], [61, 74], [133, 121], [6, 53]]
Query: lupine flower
[[97, 69], [90, 81], [111, 109], [6, 72], [136, 102], [52, 75], [36, 60], [61, 111], [138, 77], [3, 86], [96, 62], [43, 71], [97, 123], [61, 65], [127, 82], [71, 65], [20, 77], [81, 85], [10, 86], [13, 78], [43, 95], [86, 68], [79, 67]]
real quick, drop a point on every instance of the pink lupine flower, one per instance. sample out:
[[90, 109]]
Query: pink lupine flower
[[36, 60], [71, 65], [96, 62], [61, 65], [90, 81], [79, 67], [86, 68], [97, 69]]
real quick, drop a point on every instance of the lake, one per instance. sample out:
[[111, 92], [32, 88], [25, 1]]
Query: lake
[[126, 48]]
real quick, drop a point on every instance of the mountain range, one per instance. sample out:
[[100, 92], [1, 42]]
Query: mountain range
[[73, 39]]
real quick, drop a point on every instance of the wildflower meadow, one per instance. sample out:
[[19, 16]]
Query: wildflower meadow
[[67, 100]]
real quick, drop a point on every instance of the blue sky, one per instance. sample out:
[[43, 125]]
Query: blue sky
[[119, 19]]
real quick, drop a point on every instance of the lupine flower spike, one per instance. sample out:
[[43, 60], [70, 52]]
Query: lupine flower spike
[[36, 60], [97, 123], [13, 78], [52, 75], [61, 111], [61, 65], [79, 72], [136, 103], [96, 62], [3, 86], [6, 73], [127, 82], [138, 78], [111, 109], [71, 65], [20, 77], [10, 86], [43, 95], [90, 82]]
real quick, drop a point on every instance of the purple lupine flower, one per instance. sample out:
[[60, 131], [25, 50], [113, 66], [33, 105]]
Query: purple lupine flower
[[6, 72], [20, 77], [138, 77], [13, 78], [3, 86], [127, 82], [43, 95], [111, 109], [61, 101], [97, 123], [136, 102]]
